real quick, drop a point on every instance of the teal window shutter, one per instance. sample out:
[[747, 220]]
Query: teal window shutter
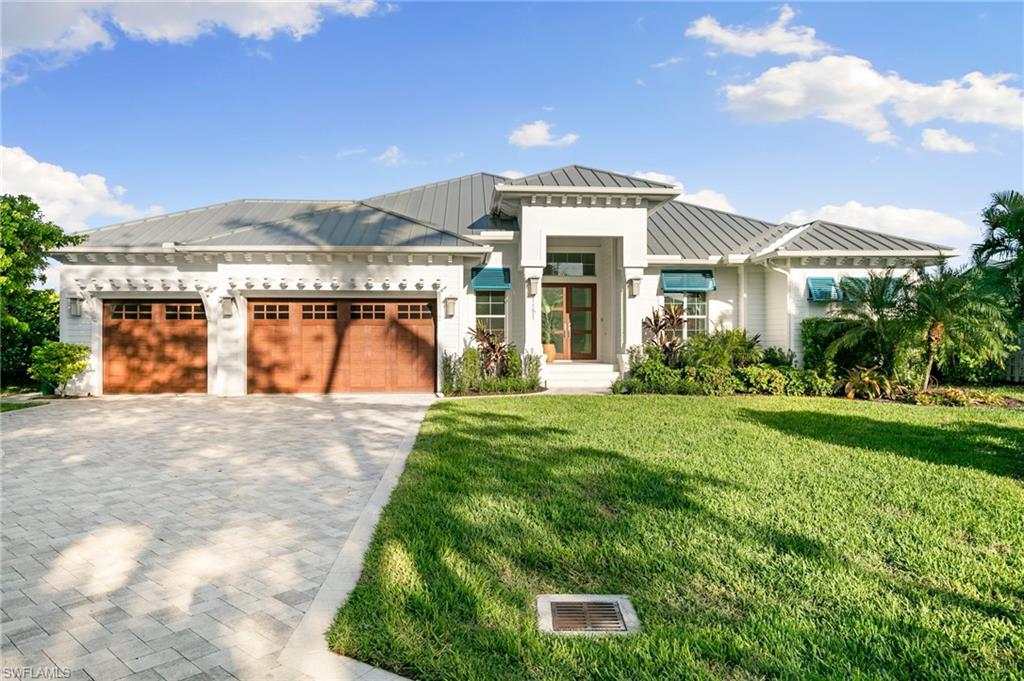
[[681, 281], [822, 289], [490, 279]]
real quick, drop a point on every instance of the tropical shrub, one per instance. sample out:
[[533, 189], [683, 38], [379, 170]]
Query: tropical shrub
[[513, 363], [471, 374], [531, 364], [57, 363], [778, 357], [805, 382], [451, 373], [1001, 251], [954, 397], [493, 350], [865, 384], [655, 377], [713, 380], [723, 349], [761, 379], [873, 317]]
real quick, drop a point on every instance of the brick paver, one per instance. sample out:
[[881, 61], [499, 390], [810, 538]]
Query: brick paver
[[170, 538]]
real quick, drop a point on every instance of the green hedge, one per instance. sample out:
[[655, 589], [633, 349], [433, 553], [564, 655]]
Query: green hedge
[[652, 376], [463, 374]]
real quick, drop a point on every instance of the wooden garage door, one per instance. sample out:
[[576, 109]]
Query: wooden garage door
[[154, 346], [333, 346]]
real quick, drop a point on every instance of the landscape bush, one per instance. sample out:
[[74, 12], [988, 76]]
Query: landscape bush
[[465, 374], [56, 363], [761, 379], [778, 357], [805, 382]]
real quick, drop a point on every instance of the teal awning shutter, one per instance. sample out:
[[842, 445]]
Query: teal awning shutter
[[822, 289], [680, 281], [490, 279]]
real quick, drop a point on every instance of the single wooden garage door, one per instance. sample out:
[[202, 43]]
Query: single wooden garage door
[[335, 346], [154, 347]]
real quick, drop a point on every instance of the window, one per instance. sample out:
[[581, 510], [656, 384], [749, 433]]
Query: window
[[131, 311], [184, 311], [695, 313], [270, 311], [490, 310], [571, 265], [414, 311], [366, 311], [320, 311]]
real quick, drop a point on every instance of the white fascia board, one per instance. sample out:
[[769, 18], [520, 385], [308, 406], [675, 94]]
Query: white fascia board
[[782, 253], [680, 260], [312, 248], [492, 235], [669, 192]]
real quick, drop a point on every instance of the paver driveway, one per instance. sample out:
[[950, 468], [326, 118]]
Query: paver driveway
[[168, 537]]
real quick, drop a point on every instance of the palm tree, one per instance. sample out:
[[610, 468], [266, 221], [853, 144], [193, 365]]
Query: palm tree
[[951, 309], [1003, 246], [872, 317]]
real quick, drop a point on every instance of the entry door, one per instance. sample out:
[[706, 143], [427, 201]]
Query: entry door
[[570, 320]]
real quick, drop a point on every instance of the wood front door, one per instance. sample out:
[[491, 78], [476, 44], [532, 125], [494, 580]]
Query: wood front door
[[570, 320]]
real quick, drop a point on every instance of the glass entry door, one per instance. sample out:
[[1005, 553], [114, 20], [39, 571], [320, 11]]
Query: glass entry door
[[569, 320]]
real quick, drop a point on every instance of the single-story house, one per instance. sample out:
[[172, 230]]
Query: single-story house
[[256, 296]]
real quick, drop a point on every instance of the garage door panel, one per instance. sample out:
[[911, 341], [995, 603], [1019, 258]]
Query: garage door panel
[[154, 346], [341, 346]]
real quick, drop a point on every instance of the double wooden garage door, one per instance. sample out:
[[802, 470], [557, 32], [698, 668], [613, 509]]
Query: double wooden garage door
[[330, 346], [321, 346]]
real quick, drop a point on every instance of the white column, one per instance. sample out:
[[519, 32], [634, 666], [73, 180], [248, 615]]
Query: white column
[[742, 297], [632, 314]]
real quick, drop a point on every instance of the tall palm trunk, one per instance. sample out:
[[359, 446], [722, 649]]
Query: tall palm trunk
[[935, 333]]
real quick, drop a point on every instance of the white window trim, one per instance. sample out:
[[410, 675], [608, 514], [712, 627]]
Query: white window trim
[[504, 307], [683, 332]]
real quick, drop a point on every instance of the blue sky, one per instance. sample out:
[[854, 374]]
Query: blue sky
[[859, 112]]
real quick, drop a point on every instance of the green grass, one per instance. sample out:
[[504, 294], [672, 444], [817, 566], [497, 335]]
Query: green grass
[[14, 406], [757, 537]]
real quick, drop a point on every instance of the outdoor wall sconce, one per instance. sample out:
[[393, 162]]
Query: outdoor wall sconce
[[75, 304], [449, 306], [227, 306], [532, 286], [633, 287]]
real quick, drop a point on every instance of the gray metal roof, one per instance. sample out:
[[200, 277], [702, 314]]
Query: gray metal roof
[[677, 228], [459, 205], [200, 223], [582, 176], [356, 224], [441, 214], [830, 236]]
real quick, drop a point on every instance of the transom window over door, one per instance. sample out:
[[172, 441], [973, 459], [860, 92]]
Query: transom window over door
[[695, 313], [571, 265], [490, 310]]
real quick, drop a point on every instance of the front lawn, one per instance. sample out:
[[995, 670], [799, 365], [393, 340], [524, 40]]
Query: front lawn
[[14, 406], [758, 537]]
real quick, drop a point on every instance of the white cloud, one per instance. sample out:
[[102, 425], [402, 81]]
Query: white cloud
[[50, 34], [66, 198], [392, 156], [975, 98], [777, 37], [940, 139], [703, 197], [342, 153], [512, 174], [640, 82], [916, 223], [538, 134], [849, 91], [665, 63]]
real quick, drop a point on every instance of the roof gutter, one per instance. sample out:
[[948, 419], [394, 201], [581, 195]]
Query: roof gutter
[[783, 253], [655, 193], [312, 248]]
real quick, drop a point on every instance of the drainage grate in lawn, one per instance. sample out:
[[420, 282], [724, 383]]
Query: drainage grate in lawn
[[581, 614]]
